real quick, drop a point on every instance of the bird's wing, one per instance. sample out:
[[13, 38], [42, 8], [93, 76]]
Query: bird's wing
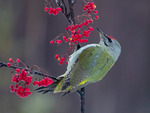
[[73, 58], [84, 64]]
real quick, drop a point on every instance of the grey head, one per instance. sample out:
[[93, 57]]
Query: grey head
[[110, 44]]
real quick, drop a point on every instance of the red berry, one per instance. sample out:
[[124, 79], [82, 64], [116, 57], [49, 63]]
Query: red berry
[[11, 88], [66, 40], [86, 40], [92, 3], [92, 8], [84, 9], [97, 17], [80, 25], [50, 81], [35, 82], [10, 60], [72, 36], [46, 9], [64, 37], [16, 86], [87, 21], [84, 23], [58, 9], [56, 56], [17, 70], [60, 62], [76, 35], [18, 60], [8, 64], [95, 12], [80, 35], [78, 31], [62, 59], [72, 32], [49, 12], [91, 28], [91, 21], [89, 12], [66, 28], [69, 27], [59, 42], [51, 42]]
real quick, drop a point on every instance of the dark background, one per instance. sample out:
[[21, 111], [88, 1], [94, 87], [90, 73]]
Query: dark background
[[25, 32]]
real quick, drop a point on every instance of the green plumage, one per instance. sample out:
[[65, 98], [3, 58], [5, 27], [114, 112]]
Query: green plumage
[[90, 66], [87, 65]]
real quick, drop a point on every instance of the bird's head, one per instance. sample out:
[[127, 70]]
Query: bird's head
[[110, 43]]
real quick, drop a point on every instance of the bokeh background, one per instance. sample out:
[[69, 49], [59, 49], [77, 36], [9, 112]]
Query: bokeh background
[[25, 32]]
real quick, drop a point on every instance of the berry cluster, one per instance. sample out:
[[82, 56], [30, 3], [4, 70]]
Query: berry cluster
[[21, 77], [53, 11], [60, 59], [11, 61], [89, 7], [22, 92], [22, 80], [76, 33], [44, 82]]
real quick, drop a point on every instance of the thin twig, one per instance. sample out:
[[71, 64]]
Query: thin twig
[[82, 99], [27, 69]]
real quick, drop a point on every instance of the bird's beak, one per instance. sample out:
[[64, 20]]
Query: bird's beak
[[102, 35]]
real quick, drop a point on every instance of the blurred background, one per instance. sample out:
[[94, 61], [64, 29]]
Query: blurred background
[[25, 32]]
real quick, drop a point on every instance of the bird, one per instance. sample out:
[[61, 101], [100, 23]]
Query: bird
[[87, 65]]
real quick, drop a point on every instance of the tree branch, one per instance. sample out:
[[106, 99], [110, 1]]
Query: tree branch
[[71, 11], [82, 99], [34, 72]]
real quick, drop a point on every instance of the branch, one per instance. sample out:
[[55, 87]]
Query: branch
[[69, 15], [82, 99], [70, 2], [27, 69]]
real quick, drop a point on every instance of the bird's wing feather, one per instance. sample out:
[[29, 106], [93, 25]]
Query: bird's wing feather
[[84, 64], [73, 58]]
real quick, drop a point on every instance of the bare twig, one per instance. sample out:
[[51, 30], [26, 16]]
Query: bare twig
[[27, 69], [82, 99]]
